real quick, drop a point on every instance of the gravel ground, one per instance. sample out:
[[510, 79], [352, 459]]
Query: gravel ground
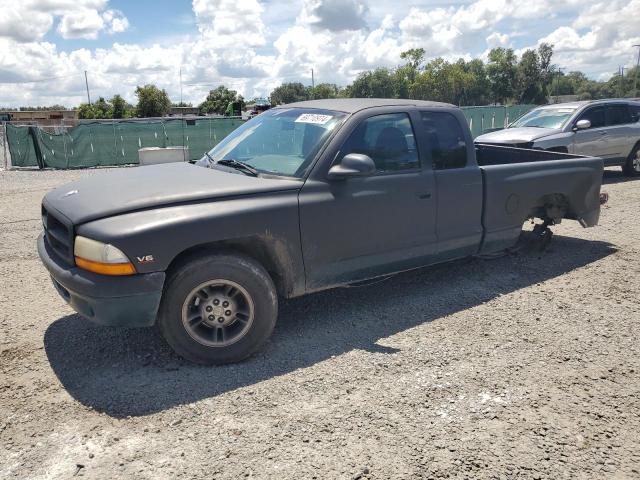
[[521, 367]]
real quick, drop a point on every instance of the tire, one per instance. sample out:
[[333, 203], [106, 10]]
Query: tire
[[218, 309], [632, 166]]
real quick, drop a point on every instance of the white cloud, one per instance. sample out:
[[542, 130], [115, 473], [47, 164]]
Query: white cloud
[[115, 21], [230, 23], [23, 25], [246, 46], [31, 20], [81, 24], [334, 15], [600, 38], [497, 39]]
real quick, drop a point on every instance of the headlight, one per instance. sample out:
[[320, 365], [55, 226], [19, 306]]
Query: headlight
[[101, 257]]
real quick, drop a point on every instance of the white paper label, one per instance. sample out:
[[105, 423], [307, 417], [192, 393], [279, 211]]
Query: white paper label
[[313, 118]]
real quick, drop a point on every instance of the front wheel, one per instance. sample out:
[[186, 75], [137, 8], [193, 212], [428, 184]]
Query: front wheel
[[218, 309], [632, 167]]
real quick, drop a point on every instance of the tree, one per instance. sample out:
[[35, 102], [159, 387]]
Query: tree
[[152, 102], [534, 75], [87, 111], [379, 83], [120, 108], [325, 90], [529, 79], [406, 74], [103, 108], [545, 54], [414, 57], [219, 99], [479, 90], [501, 72], [289, 93]]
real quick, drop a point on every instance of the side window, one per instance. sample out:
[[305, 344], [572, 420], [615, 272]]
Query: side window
[[595, 115], [388, 139], [447, 144], [618, 115], [634, 110]]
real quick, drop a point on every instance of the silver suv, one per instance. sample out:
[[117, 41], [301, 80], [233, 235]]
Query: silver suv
[[601, 128]]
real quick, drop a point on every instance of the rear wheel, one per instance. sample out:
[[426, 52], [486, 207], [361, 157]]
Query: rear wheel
[[218, 309], [632, 167]]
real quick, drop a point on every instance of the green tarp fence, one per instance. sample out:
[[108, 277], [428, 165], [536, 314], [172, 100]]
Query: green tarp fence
[[101, 144], [487, 119]]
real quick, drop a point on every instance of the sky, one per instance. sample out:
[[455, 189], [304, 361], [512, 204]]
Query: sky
[[253, 45]]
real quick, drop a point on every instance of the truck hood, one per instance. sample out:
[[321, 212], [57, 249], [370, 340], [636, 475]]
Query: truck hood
[[516, 135], [128, 189]]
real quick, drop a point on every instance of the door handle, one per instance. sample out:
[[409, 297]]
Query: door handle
[[603, 133], [423, 196]]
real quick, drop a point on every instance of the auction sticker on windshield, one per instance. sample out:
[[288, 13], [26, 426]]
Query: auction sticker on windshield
[[314, 118]]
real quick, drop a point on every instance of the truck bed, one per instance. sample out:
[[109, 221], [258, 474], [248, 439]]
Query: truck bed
[[520, 184]]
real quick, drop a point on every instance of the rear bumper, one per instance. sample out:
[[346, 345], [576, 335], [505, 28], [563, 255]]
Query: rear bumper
[[127, 301], [591, 218]]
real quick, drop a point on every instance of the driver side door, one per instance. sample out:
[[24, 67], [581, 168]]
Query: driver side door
[[362, 227]]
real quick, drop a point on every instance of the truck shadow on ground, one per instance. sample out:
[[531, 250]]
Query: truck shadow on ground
[[132, 372]]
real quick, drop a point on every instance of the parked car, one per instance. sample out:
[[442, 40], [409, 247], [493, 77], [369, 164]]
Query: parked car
[[609, 129], [303, 197]]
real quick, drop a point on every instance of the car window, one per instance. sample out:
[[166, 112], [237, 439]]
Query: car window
[[389, 141], [634, 111], [595, 115], [618, 115], [447, 144]]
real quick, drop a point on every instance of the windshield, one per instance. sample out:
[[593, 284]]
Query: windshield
[[279, 141], [544, 118]]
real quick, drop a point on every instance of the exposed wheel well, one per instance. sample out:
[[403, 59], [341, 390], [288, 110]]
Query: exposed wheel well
[[254, 247], [553, 207]]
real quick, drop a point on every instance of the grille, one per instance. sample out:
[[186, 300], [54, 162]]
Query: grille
[[59, 235]]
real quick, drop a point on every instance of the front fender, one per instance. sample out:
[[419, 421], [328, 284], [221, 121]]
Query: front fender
[[153, 238]]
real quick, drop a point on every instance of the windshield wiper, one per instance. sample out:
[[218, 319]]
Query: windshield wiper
[[238, 165]]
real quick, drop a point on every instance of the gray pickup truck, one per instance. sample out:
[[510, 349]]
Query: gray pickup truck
[[303, 197]]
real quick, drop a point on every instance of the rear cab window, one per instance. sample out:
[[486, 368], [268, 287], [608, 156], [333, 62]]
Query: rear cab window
[[447, 146]]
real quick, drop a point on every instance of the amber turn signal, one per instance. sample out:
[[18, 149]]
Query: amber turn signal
[[106, 268]]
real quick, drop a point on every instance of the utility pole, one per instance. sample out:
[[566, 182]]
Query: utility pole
[[558, 75], [621, 81], [313, 84], [86, 82], [180, 86], [635, 81]]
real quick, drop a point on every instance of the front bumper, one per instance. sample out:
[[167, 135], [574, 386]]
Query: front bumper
[[126, 301]]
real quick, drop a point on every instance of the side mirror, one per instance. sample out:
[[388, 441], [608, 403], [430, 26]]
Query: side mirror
[[352, 165], [582, 125]]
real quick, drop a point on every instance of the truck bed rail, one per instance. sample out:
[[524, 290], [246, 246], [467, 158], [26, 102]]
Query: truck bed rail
[[489, 154]]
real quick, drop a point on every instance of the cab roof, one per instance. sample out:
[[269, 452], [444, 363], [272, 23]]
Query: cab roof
[[353, 105]]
